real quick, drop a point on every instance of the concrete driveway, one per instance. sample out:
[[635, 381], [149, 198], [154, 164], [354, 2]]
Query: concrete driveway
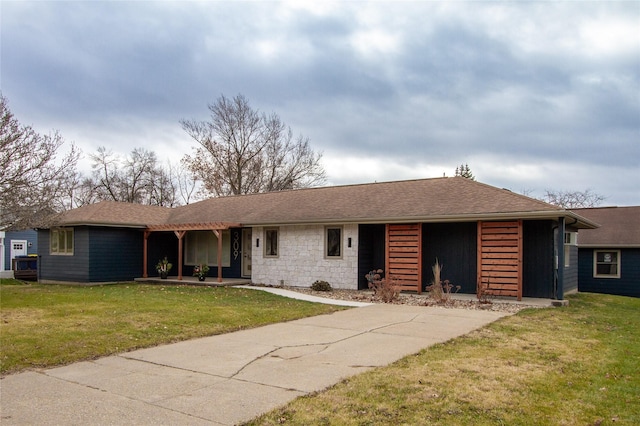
[[231, 378]]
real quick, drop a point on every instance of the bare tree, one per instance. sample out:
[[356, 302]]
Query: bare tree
[[33, 174], [573, 199], [243, 151], [187, 183], [136, 178]]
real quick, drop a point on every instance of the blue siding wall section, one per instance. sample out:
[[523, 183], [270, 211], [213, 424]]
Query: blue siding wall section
[[159, 245], [115, 254], [99, 255], [456, 246], [74, 268], [627, 285], [371, 248], [571, 272], [538, 259]]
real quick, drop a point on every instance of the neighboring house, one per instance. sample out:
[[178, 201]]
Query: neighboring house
[[609, 256], [14, 244], [484, 235]]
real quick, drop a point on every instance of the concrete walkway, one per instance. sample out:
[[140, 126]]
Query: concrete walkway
[[231, 378]]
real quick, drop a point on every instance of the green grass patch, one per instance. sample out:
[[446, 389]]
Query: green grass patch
[[47, 325], [576, 365]]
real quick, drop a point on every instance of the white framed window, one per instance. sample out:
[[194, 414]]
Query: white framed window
[[61, 241], [271, 242], [606, 263], [201, 247], [570, 239], [333, 242]]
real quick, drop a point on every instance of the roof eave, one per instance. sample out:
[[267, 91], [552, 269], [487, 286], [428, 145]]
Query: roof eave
[[608, 246], [89, 223], [580, 223]]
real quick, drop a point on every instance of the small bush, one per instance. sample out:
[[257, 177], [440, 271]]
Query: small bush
[[483, 294], [385, 289], [321, 286]]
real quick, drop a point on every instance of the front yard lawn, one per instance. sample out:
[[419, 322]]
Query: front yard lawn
[[47, 325], [577, 365]]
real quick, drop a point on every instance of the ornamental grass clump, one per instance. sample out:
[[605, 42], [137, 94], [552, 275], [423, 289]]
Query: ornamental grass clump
[[439, 290]]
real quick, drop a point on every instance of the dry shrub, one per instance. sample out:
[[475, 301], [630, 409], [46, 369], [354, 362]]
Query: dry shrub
[[385, 289]]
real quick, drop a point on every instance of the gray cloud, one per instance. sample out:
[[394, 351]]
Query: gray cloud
[[531, 95]]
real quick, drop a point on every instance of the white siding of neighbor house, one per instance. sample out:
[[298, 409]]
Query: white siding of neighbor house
[[301, 259]]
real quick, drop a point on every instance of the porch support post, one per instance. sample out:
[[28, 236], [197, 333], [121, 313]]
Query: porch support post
[[180, 235], [559, 263], [218, 235], [145, 254]]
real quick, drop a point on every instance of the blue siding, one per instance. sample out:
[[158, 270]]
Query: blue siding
[[456, 247], [73, 268], [115, 254], [30, 235], [159, 245], [538, 259], [371, 247], [627, 285], [571, 272]]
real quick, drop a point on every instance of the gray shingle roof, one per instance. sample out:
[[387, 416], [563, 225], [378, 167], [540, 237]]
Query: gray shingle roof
[[619, 227], [424, 200], [387, 201], [112, 213]]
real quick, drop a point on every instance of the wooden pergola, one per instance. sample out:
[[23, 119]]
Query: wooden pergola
[[180, 230]]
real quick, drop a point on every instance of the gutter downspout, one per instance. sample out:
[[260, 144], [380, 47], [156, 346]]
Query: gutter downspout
[[559, 264]]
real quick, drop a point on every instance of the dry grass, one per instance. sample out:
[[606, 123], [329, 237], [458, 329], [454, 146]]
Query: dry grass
[[42, 326], [565, 366]]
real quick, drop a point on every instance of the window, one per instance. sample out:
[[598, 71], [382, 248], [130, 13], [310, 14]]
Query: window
[[570, 239], [333, 242], [61, 241], [271, 242], [201, 247], [606, 263]]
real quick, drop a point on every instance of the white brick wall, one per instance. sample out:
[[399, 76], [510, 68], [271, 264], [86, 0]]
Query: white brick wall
[[301, 259]]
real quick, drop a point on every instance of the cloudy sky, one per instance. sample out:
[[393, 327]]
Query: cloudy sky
[[532, 95]]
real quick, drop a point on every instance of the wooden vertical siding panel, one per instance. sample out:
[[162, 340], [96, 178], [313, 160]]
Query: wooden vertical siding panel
[[520, 257], [404, 255], [500, 251]]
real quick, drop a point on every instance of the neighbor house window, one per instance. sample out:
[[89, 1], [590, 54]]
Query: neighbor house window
[[606, 263], [201, 247], [61, 241], [271, 242], [333, 242]]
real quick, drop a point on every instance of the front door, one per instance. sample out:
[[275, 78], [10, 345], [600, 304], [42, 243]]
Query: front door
[[18, 248], [246, 252]]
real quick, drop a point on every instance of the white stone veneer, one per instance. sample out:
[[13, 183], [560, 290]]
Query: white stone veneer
[[301, 259]]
